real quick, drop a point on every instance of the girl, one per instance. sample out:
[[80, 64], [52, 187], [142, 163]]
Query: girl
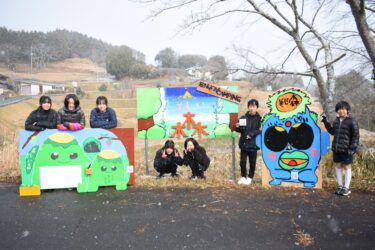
[[167, 159], [44, 117], [71, 116], [103, 116], [195, 156]]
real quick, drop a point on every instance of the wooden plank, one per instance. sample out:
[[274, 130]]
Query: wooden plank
[[217, 90]]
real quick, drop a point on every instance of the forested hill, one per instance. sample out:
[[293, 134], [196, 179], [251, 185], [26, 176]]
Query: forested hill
[[16, 46]]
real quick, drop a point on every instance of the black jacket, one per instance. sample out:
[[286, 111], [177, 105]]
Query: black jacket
[[197, 157], [249, 132], [75, 116], [345, 134], [159, 161], [41, 119]]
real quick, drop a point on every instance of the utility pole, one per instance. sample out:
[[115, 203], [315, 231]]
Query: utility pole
[[31, 59]]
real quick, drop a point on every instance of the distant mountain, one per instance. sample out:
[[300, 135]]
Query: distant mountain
[[58, 45]]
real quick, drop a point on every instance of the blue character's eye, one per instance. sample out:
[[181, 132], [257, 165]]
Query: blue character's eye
[[54, 156], [73, 156], [276, 138], [113, 168], [301, 136], [103, 168]]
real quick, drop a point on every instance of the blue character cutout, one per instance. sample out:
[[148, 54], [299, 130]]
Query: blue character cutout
[[291, 141]]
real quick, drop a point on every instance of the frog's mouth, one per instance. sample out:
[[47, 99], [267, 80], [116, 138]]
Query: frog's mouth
[[66, 176], [293, 160]]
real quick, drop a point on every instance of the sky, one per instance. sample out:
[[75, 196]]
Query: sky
[[122, 22]]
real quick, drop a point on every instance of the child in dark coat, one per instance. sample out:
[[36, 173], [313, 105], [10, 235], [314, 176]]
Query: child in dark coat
[[71, 116], [249, 129], [345, 142], [103, 116], [167, 159], [44, 117], [196, 157]]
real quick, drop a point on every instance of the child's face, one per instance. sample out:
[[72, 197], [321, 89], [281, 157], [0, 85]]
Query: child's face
[[252, 109], [342, 113], [46, 106], [190, 146], [169, 151], [71, 105], [102, 106]]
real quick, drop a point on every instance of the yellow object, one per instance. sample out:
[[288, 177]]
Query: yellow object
[[30, 191], [187, 95], [109, 154], [62, 138]]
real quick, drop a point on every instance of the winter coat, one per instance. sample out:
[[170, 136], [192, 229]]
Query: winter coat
[[159, 161], [249, 132], [345, 134], [75, 116], [105, 119], [41, 119], [197, 157]]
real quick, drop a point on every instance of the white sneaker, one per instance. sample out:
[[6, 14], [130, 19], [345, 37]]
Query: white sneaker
[[242, 180], [248, 181]]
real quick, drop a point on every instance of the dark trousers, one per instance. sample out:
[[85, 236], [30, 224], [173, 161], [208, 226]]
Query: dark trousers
[[167, 168], [196, 169], [252, 155]]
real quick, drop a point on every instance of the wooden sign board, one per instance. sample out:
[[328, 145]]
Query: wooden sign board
[[217, 90]]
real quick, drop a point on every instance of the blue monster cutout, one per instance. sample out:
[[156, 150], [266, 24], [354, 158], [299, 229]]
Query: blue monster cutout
[[291, 141]]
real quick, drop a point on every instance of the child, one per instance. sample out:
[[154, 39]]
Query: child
[[44, 117], [166, 159], [249, 129], [195, 156], [71, 116], [103, 116], [345, 142]]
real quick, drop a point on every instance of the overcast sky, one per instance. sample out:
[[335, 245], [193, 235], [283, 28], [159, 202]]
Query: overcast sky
[[121, 22]]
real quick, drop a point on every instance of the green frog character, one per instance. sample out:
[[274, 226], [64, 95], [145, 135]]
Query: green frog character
[[60, 163], [107, 169]]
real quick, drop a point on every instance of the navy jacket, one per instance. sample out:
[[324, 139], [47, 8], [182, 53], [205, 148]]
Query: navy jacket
[[105, 119]]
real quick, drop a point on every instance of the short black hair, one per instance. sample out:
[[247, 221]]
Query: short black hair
[[342, 105], [45, 99], [169, 144], [101, 98], [253, 102], [75, 99]]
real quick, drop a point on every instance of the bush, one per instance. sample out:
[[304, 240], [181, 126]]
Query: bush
[[103, 87]]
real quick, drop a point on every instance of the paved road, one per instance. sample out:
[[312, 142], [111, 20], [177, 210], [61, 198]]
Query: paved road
[[182, 218]]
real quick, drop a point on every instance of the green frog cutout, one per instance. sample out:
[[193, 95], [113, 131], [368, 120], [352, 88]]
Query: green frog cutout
[[107, 169]]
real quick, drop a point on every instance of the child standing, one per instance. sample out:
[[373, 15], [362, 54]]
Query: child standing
[[249, 127], [345, 133], [103, 116]]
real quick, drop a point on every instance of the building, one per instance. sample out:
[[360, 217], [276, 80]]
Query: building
[[33, 87]]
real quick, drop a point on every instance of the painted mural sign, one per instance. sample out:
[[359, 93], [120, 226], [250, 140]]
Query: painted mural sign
[[85, 159], [291, 141], [182, 112]]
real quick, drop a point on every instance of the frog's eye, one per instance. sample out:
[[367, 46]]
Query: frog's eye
[[113, 168], [103, 168], [54, 156], [73, 156]]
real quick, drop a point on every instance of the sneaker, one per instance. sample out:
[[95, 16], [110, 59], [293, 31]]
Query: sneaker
[[345, 191], [242, 180], [193, 177], [339, 190], [159, 176], [248, 181], [174, 175]]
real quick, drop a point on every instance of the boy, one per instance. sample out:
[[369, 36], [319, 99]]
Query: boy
[[249, 127], [103, 116], [345, 142]]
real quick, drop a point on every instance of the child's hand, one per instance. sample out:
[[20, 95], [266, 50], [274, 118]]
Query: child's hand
[[176, 154], [163, 154], [324, 118]]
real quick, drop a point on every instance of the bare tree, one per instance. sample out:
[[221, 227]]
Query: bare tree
[[288, 16], [358, 8]]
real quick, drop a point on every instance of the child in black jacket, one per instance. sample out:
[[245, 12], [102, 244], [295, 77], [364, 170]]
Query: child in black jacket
[[44, 117], [249, 129], [166, 160], [196, 157], [345, 133]]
